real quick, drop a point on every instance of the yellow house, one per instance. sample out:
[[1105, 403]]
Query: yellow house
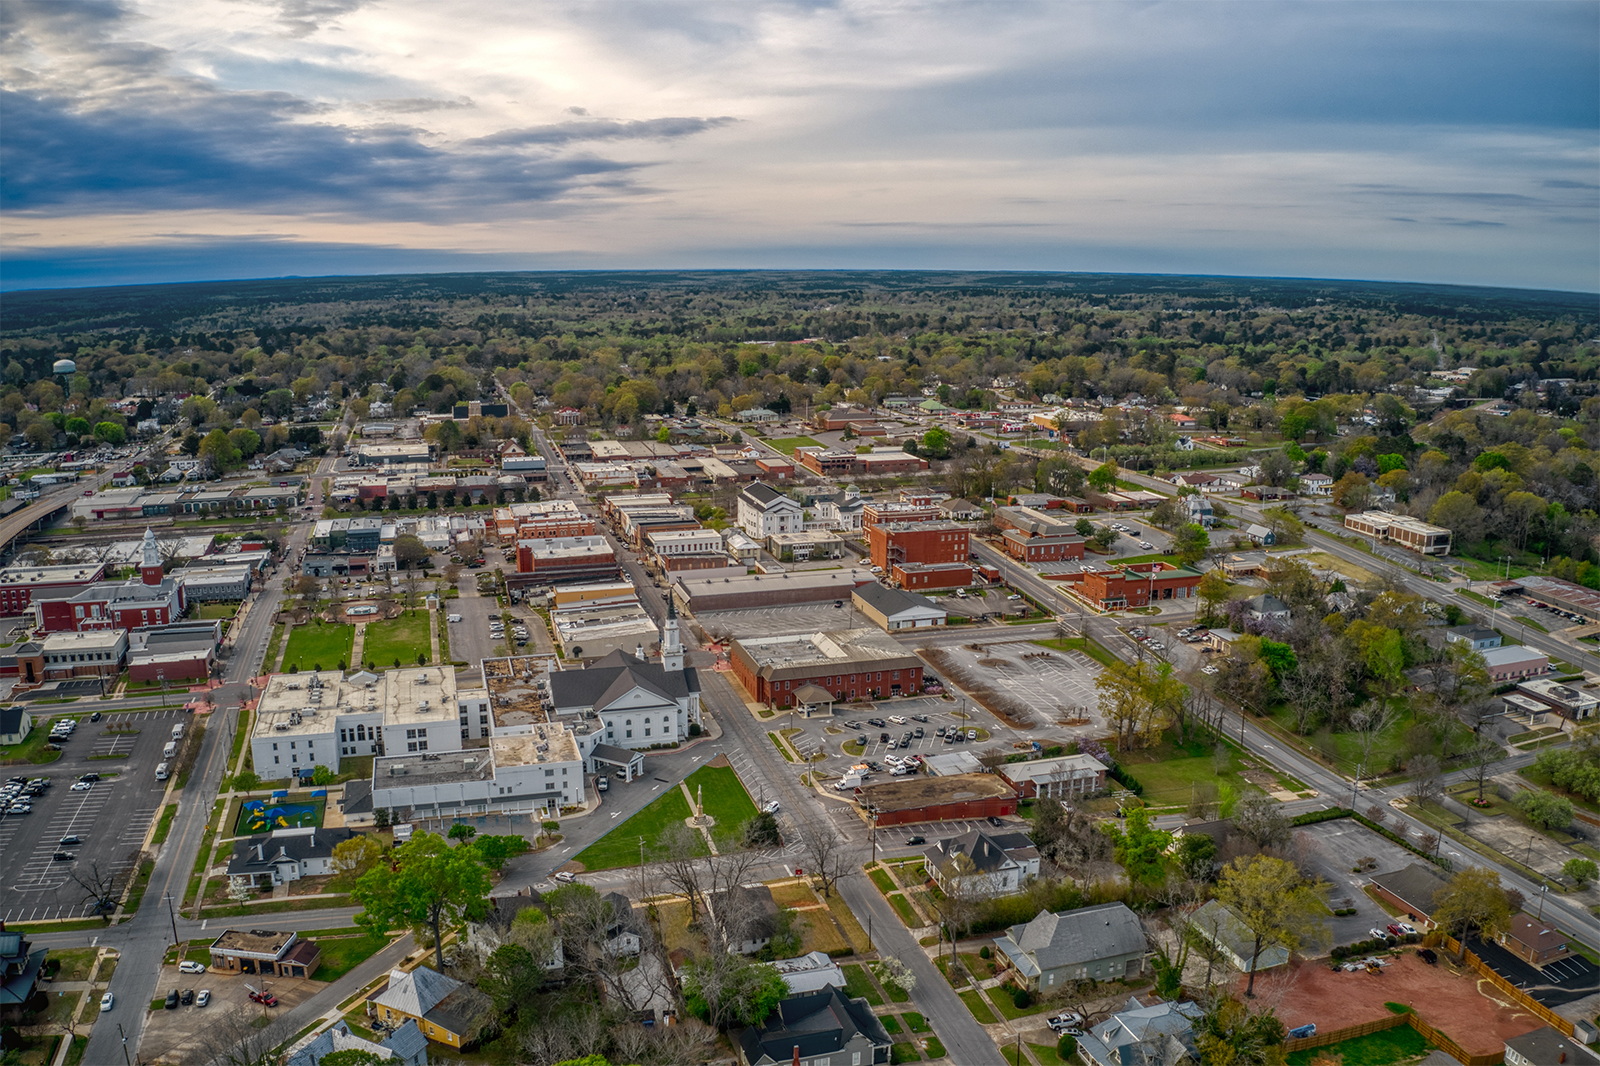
[[447, 1011]]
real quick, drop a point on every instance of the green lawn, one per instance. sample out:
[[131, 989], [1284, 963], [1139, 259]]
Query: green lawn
[[1169, 772], [317, 646], [218, 610], [1046, 1054], [787, 445], [1001, 998], [859, 985], [1399, 1044], [620, 847], [1090, 648], [725, 799], [402, 638], [32, 749], [1346, 748], [902, 907], [341, 955]]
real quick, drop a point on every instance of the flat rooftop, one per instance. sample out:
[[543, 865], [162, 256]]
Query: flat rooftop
[[419, 694], [307, 702], [546, 744], [50, 575], [910, 793], [849, 645], [424, 768], [515, 695], [255, 941]]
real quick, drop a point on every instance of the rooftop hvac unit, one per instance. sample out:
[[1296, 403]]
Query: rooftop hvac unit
[[422, 678], [398, 771], [293, 686], [423, 706], [280, 726]]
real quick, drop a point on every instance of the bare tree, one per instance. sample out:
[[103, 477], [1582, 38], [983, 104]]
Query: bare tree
[[1368, 723], [101, 888], [829, 856], [231, 1038], [1480, 761], [1261, 820], [1426, 783]]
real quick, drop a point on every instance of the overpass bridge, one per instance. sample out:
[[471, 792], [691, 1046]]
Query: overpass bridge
[[32, 517]]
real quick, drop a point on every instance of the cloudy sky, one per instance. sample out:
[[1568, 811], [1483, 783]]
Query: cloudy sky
[[192, 139]]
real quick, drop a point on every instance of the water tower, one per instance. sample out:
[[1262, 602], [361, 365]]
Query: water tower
[[64, 369]]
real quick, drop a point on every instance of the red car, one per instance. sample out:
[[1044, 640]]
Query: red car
[[266, 999], [1394, 930]]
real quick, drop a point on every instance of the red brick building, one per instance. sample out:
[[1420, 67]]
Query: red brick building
[[781, 469], [1047, 548], [851, 664], [21, 585], [874, 514], [915, 576], [1137, 585], [559, 560], [937, 799], [918, 542]]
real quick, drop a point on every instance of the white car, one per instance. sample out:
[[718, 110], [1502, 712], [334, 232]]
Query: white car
[[1014, 596], [452, 618], [81, 786], [898, 719], [190, 966], [107, 1001], [204, 998], [1146, 545], [770, 807]]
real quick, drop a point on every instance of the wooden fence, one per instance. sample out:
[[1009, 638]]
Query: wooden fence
[[1523, 1000], [1428, 1032]]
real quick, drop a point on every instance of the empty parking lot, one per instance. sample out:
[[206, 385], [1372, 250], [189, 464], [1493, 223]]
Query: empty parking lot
[[1032, 684]]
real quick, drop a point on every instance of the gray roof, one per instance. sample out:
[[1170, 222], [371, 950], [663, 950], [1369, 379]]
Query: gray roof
[[890, 602], [357, 798], [1416, 884], [616, 756], [615, 675], [406, 1041], [417, 992], [11, 720], [1473, 633], [251, 856], [987, 851], [1548, 1046], [1225, 928], [761, 493], [1083, 935], [818, 1023], [1266, 603]]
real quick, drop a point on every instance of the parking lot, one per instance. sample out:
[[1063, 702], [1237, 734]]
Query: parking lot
[[182, 1034], [110, 819], [1034, 685], [1332, 849]]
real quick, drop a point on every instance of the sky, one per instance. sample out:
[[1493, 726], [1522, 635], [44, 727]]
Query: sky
[[202, 139]]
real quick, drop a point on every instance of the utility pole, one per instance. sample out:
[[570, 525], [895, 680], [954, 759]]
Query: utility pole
[[124, 1035]]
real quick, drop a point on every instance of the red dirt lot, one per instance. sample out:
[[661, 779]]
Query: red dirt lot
[[1458, 1003]]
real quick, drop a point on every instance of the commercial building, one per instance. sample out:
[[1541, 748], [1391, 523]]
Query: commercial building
[[933, 575], [1136, 585], [835, 462], [1410, 533], [918, 542], [1514, 663], [1041, 548], [874, 514], [1534, 941], [1564, 596], [545, 518], [851, 664], [1033, 522], [20, 585], [1478, 638], [562, 559], [982, 864], [732, 593], [937, 799], [1570, 702], [685, 542], [269, 952], [804, 545], [186, 651], [1411, 890], [418, 451], [894, 609], [61, 656], [216, 583], [1062, 777], [591, 630], [1099, 943], [150, 599], [539, 772]]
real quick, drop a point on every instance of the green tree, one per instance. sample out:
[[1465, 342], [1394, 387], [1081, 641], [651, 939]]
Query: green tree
[[1141, 848], [1545, 809], [728, 990], [1582, 871], [110, 433], [248, 442], [354, 857], [1473, 902], [220, 450], [321, 775], [495, 850], [409, 551], [431, 885], [462, 831], [1279, 658], [1190, 543], [1103, 476], [1104, 537], [936, 443], [512, 977], [1229, 1035], [1276, 903], [1084, 527], [1213, 591], [1197, 855], [1459, 513], [78, 426]]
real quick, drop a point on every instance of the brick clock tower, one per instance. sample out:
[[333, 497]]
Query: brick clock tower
[[150, 561]]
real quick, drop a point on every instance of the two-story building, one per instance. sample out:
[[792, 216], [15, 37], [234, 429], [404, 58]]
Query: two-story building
[[762, 511], [1099, 943], [978, 864]]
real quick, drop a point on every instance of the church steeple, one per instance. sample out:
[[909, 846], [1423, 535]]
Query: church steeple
[[671, 646]]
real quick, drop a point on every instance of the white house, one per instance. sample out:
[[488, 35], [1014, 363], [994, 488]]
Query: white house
[[1266, 608], [984, 864], [1316, 484], [285, 855], [763, 511]]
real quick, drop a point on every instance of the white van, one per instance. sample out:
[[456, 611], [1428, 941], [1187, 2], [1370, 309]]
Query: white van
[[177, 731], [170, 750], [161, 771]]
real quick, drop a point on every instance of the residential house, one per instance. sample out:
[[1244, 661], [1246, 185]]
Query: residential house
[[982, 864], [1099, 943], [622, 927], [810, 973], [1478, 638], [1316, 485], [447, 1011], [284, 855], [406, 1046], [759, 912], [1260, 535], [20, 964], [494, 929], [1411, 890], [15, 725], [1544, 1047], [821, 1028], [1267, 608], [1200, 511], [1228, 934], [1183, 444], [1161, 1034]]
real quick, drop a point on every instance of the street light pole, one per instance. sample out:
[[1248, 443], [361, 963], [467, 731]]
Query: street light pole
[[124, 1035], [174, 917]]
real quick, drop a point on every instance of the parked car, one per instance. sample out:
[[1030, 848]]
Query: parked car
[[63, 856], [919, 718], [914, 841], [565, 876], [770, 807], [68, 841], [1063, 1020], [898, 719], [972, 734], [1394, 930], [190, 966], [187, 997], [1378, 934], [995, 821], [204, 999], [883, 738], [172, 1000], [95, 717], [602, 784], [861, 739], [877, 722], [107, 1001], [266, 999], [1408, 929], [1300, 1032], [89, 777]]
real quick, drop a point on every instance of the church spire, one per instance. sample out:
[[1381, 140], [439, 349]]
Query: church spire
[[671, 645]]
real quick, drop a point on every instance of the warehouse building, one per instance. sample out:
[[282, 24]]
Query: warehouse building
[[894, 609], [732, 593], [1409, 533], [937, 799]]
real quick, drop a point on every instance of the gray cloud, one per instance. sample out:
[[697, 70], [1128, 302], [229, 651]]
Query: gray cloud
[[602, 129]]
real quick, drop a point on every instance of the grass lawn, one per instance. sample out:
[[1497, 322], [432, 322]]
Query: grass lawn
[[935, 1048], [620, 847], [978, 1006], [1375, 1049], [1346, 748], [75, 963], [1001, 998], [164, 826], [904, 1052], [343, 954], [1169, 771], [725, 799], [1090, 648], [818, 933], [917, 1023], [218, 610], [32, 749], [859, 985], [402, 638], [902, 907], [847, 922], [317, 646], [787, 445], [1046, 1054]]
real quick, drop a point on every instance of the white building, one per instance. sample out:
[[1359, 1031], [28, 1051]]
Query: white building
[[763, 511], [686, 542], [985, 864], [639, 704], [1316, 484], [538, 772]]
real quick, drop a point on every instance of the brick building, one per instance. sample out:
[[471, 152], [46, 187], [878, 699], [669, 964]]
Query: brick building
[[918, 542], [937, 799], [1044, 548], [564, 559], [21, 585], [151, 599], [1136, 585], [851, 664], [878, 513], [933, 575]]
